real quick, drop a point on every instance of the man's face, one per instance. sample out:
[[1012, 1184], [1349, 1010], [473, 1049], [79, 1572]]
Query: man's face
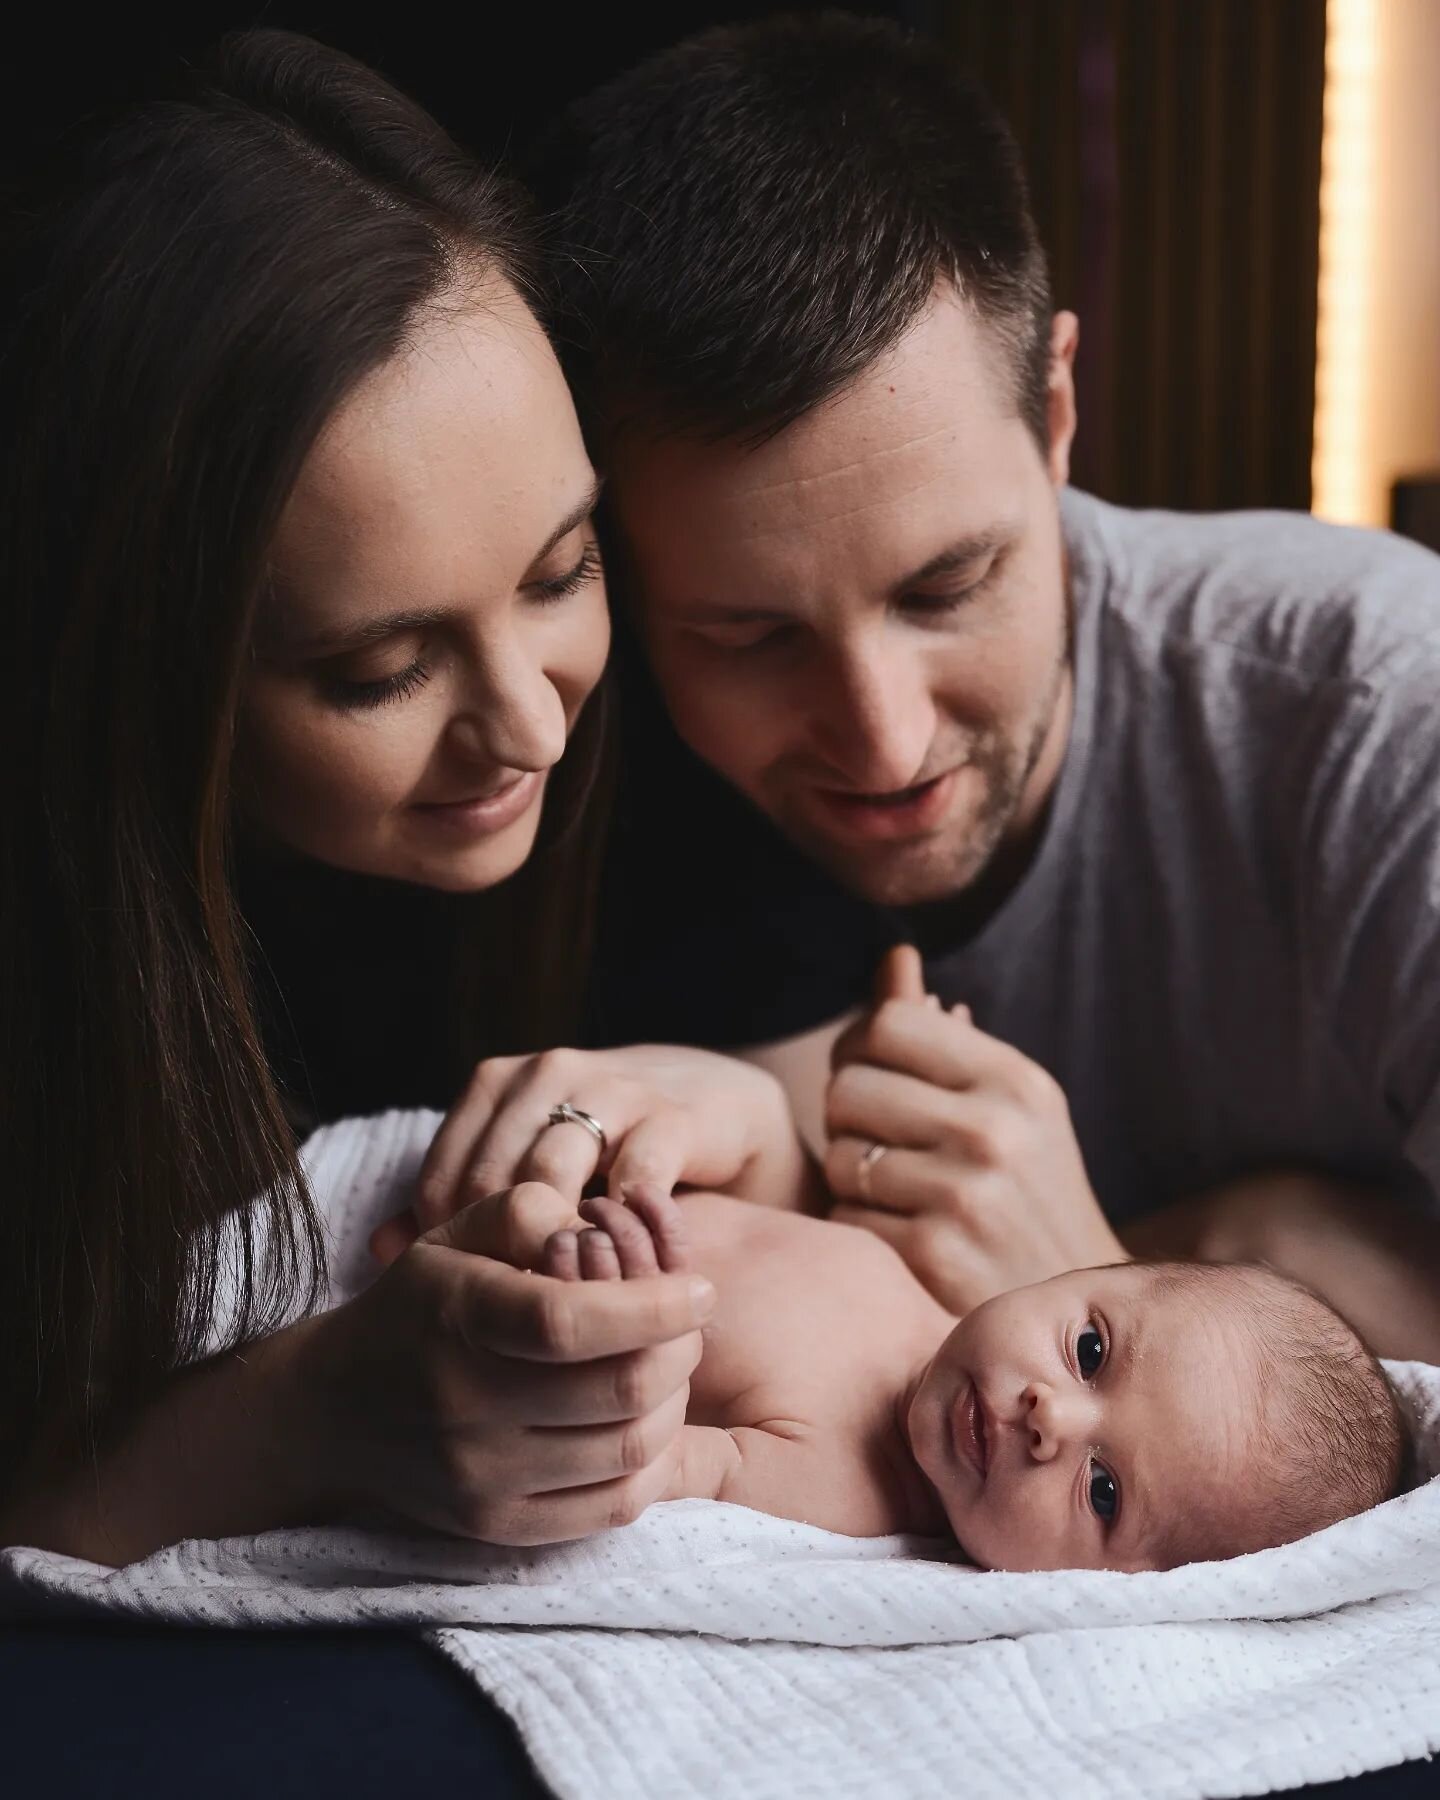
[[862, 624]]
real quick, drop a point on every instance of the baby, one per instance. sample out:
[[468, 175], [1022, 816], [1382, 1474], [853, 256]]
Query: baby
[[1137, 1416]]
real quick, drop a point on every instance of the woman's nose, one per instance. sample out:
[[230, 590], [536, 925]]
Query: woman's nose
[[512, 718], [1052, 1420]]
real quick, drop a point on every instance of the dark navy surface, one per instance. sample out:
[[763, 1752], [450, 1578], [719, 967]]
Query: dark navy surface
[[98, 1711]]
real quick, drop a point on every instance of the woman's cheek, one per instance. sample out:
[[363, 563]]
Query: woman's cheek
[[319, 777]]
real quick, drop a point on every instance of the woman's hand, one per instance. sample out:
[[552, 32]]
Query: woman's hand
[[981, 1186], [494, 1402], [670, 1116]]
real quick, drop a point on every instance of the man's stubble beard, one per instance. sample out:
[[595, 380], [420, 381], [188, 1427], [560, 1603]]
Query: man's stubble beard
[[912, 874]]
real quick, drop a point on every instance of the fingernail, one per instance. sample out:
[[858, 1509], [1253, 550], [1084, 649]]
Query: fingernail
[[702, 1295]]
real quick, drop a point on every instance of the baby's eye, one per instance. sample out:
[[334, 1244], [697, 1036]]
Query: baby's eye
[[1089, 1351], [1104, 1495]]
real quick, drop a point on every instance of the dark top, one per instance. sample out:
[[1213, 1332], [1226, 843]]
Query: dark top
[[713, 929], [354, 979]]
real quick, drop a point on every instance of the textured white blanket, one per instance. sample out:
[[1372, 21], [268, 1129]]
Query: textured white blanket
[[709, 1651]]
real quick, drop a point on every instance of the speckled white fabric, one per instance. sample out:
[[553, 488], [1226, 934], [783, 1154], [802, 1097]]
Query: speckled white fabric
[[709, 1652]]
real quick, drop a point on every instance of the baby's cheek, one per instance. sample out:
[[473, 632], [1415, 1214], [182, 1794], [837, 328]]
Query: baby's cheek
[[1000, 1529]]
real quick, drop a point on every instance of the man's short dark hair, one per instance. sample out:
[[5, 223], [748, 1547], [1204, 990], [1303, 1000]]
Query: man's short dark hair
[[747, 220]]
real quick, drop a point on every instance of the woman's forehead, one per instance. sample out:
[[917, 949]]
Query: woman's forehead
[[437, 482]]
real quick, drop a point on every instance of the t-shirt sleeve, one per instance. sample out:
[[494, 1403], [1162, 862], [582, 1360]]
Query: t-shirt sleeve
[[1370, 893]]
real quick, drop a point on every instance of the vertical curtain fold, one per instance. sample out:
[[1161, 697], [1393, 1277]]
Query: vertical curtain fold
[[1174, 156]]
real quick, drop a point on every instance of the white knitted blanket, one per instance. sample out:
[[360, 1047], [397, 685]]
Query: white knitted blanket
[[709, 1651]]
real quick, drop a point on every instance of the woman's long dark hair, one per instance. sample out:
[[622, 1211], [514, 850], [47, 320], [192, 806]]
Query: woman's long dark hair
[[189, 293]]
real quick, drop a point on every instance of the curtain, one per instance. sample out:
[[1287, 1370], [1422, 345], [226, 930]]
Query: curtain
[[1173, 148]]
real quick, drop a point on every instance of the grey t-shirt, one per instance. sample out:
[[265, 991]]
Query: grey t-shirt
[[1227, 947]]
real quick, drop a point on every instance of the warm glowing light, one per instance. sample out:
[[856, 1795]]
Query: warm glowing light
[[1344, 486]]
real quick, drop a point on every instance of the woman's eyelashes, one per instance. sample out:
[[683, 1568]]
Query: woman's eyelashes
[[363, 695], [559, 587]]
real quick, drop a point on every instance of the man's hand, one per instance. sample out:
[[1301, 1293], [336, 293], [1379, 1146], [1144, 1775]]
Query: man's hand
[[1374, 1258], [981, 1186]]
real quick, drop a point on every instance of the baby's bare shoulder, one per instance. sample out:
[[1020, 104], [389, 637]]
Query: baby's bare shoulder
[[728, 1234]]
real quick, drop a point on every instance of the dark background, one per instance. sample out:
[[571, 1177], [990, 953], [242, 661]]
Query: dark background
[[1174, 150]]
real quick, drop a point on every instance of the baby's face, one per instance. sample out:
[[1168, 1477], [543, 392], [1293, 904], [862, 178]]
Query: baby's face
[[1075, 1424]]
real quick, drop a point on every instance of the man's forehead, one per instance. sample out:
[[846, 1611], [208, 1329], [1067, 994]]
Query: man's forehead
[[930, 411]]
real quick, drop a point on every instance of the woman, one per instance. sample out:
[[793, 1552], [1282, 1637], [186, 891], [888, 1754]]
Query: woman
[[308, 621]]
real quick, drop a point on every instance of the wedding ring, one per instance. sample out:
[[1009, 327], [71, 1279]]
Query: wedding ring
[[867, 1165], [566, 1114]]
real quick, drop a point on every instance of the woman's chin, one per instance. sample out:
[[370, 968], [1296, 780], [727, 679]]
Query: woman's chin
[[470, 866]]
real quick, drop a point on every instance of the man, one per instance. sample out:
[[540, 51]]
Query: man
[[1157, 797]]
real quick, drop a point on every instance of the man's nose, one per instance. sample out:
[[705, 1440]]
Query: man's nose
[[1051, 1419], [875, 718]]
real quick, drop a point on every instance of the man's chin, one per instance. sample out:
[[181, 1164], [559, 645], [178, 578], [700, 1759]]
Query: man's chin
[[899, 875]]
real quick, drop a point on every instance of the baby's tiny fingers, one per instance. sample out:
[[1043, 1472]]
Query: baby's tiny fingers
[[665, 1218], [561, 1256], [598, 1261], [627, 1231]]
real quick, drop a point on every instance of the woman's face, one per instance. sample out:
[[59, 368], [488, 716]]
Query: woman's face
[[437, 612]]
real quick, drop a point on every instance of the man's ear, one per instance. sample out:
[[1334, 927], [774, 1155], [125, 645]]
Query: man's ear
[[1060, 400]]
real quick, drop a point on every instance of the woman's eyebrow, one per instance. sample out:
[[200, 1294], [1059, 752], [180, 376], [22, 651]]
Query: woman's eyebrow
[[576, 516], [371, 631]]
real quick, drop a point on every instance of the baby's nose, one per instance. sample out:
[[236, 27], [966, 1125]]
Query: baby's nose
[[1051, 1420]]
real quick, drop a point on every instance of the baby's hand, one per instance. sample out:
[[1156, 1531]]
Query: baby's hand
[[623, 1240]]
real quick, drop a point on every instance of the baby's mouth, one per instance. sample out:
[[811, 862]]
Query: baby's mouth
[[967, 1424]]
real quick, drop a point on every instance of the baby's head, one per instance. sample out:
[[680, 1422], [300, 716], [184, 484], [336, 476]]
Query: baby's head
[[1150, 1414]]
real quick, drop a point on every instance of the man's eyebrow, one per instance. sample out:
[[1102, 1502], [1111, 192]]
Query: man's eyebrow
[[372, 631], [954, 556], [963, 551]]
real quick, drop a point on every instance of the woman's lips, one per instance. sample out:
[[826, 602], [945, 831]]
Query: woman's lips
[[967, 1423], [486, 813]]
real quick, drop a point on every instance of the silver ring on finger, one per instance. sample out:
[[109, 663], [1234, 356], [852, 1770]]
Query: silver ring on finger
[[566, 1114], [867, 1168]]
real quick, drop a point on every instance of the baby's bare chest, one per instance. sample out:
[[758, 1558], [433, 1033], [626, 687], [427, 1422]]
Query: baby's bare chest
[[815, 1323]]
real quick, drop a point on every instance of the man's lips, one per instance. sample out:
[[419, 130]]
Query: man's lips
[[967, 1421], [875, 817]]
